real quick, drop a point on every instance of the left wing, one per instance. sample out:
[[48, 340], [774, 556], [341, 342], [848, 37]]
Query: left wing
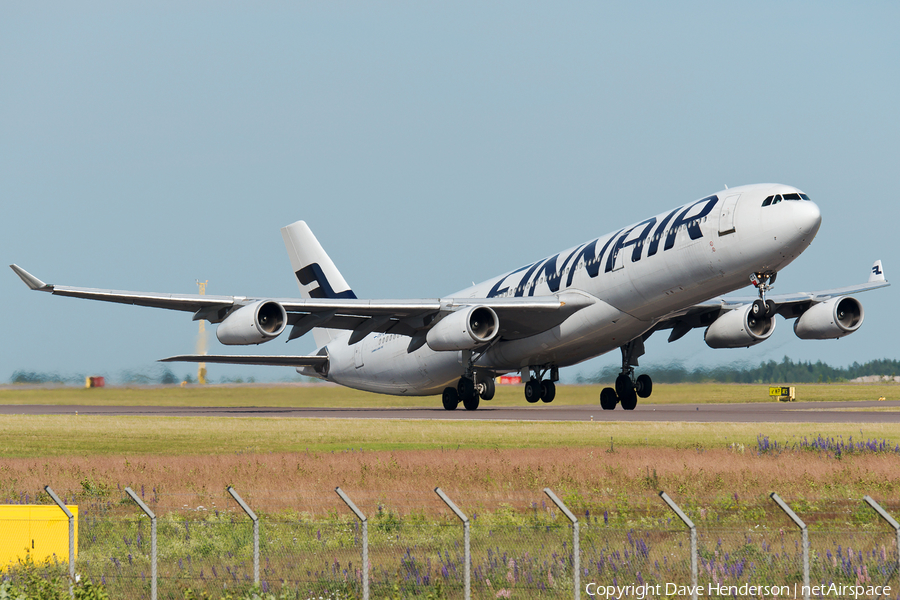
[[788, 306], [518, 316]]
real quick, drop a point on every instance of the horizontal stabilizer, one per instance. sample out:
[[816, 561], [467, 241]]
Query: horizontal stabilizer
[[250, 359]]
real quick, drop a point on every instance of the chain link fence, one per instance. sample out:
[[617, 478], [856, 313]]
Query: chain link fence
[[521, 549]]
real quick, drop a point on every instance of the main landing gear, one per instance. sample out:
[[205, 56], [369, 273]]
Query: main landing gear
[[628, 388], [538, 388], [470, 391]]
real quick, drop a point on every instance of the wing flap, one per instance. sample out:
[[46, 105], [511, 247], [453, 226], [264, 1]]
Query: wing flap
[[249, 359]]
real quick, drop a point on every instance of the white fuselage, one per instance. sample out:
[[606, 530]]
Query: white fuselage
[[635, 276]]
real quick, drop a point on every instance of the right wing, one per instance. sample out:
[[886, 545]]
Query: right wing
[[788, 306]]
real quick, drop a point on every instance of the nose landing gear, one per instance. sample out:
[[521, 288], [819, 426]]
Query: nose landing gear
[[762, 308], [628, 388]]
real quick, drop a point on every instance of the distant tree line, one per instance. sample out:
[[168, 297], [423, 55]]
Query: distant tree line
[[787, 371]]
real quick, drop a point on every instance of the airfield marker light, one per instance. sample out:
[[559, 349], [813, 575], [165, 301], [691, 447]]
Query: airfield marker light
[[693, 529], [804, 532], [576, 551], [152, 516], [365, 540], [71, 518], [255, 520], [465, 521]]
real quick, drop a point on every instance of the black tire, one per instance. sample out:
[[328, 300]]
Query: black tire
[[466, 388], [472, 402], [771, 308], [624, 385], [533, 391], [548, 390], [608, 399], [758, 309], [643, 386], [629, 401], [450, 398], [488, 388]]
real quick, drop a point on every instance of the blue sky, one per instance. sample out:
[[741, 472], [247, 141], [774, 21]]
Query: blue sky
[[428, 145]]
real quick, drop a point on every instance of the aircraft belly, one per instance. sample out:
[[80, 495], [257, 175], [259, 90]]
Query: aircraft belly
[[590, 332], [389, 369]]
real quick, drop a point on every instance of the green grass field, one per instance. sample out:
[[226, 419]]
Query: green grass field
[[335, 396]]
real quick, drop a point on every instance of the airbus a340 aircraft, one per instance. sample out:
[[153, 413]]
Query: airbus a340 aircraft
[[666, 272]]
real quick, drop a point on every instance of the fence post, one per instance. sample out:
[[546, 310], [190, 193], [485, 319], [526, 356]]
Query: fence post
[[467, 581], [576, 552], [255, 519], [71, 518], [152, 516], [693, 529], [890, 521], [365, 544], [805, 536]]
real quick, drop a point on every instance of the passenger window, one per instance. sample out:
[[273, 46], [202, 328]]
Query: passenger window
[[767, 201]]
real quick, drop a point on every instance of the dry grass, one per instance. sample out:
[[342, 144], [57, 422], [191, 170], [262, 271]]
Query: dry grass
[[624, 482]]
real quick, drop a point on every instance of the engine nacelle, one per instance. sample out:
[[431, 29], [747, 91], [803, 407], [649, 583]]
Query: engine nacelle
[[464, 329], [253, 324], [739, 329], [830, 320]]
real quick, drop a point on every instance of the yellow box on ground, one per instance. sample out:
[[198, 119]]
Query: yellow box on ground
[[785, 394], [41, 530]]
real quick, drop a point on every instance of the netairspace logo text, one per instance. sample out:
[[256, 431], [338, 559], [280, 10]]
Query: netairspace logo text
[[746, 590]]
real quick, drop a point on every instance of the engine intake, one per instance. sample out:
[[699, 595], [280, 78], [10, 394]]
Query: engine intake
[[464, 329], [253, 324], [830, 320], [738, 328]]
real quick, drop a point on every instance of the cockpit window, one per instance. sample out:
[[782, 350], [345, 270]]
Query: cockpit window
[[779, 197]]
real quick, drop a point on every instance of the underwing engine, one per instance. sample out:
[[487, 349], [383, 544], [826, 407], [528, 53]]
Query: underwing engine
[[255, 323], [465, 329], [830, 320], [738, 328]]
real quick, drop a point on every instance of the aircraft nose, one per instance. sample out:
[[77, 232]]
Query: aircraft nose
[[807, 217]]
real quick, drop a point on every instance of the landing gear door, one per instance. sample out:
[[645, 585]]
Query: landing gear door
[[726, 215], [358, 355]]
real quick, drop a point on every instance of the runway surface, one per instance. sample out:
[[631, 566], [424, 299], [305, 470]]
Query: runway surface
[[758, 412]]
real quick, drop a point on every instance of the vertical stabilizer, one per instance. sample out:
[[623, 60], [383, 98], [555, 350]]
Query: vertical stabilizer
[[316, 275]]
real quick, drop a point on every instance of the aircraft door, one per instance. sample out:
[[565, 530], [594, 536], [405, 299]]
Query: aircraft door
[[726, 215]]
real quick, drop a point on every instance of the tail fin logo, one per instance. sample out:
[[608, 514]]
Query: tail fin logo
[[876, 270], [313, 273]]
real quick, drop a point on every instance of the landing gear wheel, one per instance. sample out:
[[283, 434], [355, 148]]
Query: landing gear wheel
[[450, 398], [465, 387], [533, 391], [608, 399], [548, 390], [629, 401], [471, 402], [624, 386], [643, 386], [758, 308], [487, 388], [770, 308]]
